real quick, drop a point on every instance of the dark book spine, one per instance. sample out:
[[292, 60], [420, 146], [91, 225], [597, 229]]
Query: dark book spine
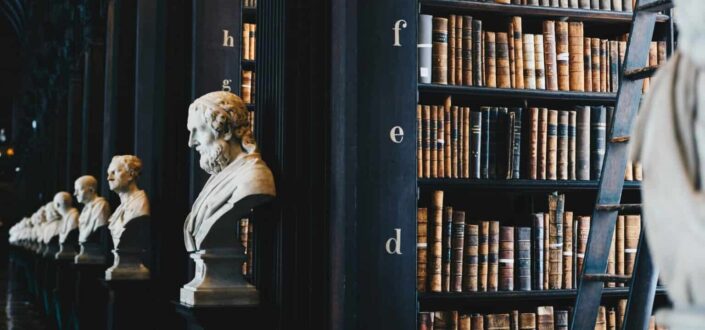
[[440, 142], [538, 262], [563, 145], [470, 261], [467, 51], [476, 143], [542, 144], [552, 143], [572, 153], [598, 125], [533, 141], [609, 116], [482, 256], [439, 54], [424, 48], [434, 141], [502, 48], [447, 247], [419, 141], [454, 134], [516, 143], [425, 321], [492, 150], [457, 245], [462, 147], [587, 63], [485, 148], [467, 147], [524, 258], [502, 143], [477, 60], [506, 258], [426, 141], [583, 143], [561, 320]]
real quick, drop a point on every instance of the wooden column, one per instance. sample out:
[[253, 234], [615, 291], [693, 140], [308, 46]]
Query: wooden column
[[93, 102], [73, 132]]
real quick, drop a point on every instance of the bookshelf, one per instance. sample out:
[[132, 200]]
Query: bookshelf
[[519, 185]]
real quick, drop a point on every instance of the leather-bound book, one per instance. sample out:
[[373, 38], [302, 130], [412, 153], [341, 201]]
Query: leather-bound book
[[628, 5], [514, 320], [493, 257], [502, 57], [614, 66], [611, 319], [552, 143], [506, 258], [490, 60], [512, 62], [471, 258], [518, 52], [502, 145], [601, 323], [584, 4], [464, 322], [544, 318], [563, 3], [459, 23], [485, 145], [549, 50], [542, 152], [546, 249], [453, 324], [451, 49], [611, 260], [456, 254], [587, 64], [421, 248], [425, 321], [661, 53], [576, 65], [638, 171], [497, 322], [462, 147], [424, 48], [476, 144], [436, 241], [632, 230], [440, 142], [539, 62], [555, 3], [477, 321], [511, 118], [621, 311], [529, 62], [562, 56], [595, 4], [619, 247], [467, 148], [545, 3], [596, 70], [561, 320], [527, 321], [447, 140], [434, 141], [523, 258], [246, 41], [247, 86], [583, 143], [492, 150], [506, 2], [441, 320], [538, 253], [467, 51], [563, 145], [568, 251], [439, 51], [516, 142], [533, 141], [598, 127], [477, 59], [454, 142], [427, 141], [253, 40], [482, 256], [556, 205], [419, 141], [447, 247], [617, 5], [629, 171], [574, 4], [604, 65], [572, 152], [606, 4], [581, 242]]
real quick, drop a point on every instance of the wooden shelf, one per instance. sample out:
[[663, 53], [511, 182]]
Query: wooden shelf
[[519, 94], [451, 300], [249, 14], [585, 15], [518, 185], [250, 107], [248, 65]]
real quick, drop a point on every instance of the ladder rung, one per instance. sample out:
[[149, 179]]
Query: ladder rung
[[640, 73], [625, 208], [607, 278], [620, 139], [656, 6]]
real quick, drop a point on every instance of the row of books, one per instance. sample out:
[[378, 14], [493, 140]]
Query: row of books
[[248, 41], [250, 3], [480, 256], [246, 236], [248, 86], [455, 50], [614, 5], [513, 143], [541, 318]]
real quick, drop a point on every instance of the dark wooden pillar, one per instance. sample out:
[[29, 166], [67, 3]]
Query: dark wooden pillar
[[93, 103], [73, 130]]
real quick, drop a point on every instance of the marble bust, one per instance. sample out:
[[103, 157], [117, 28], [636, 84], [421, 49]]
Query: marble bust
[[51, 230], [128, 222], [93, 218], [239, 181], [68, 234]]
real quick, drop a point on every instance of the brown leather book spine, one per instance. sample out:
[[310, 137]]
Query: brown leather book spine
[[619, 247], [555, 253], [477, 321], [621, 311], [419, 141], [427, 141], [533, 141], [464, 322], [601, 323], [549, 50], [539, 62], [506, 258], [490, 60], [514, 320], [581, 242], [477, 59], [436, 240], [572, 144], [604, 64], [467, 51], [568, 251], [611, 319], [497, 322], [576, 65], [527, 321], [552, 146], [638, 171], [483, 248], [246, 41], [529, 62], [466, 141], [451, 49], [563, 120], [562, 56], [461, 142], [425, 321], [512, 60], [454, 141], [459, 49], [493, 257], [542, 144], [503, 74], [253, 40], [434, 141], [447, 247], [518, 52], [439, 51], [596, 70], [471, 258], [457, 245], [632, 229], [421, 248], [610, 261], [546, 259], [441, 320], [587, 64], [544, 318], [447, 124], [247, 86], [661, 53], [440, 142]]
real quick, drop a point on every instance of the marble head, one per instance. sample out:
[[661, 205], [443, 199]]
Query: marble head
[[123, 172], [62, 202], [85, 189]]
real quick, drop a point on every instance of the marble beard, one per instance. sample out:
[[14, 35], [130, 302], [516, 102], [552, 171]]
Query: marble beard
[[239, 181]]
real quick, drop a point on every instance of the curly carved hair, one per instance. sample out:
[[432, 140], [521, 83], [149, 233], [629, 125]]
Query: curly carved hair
[[226, 115], [131, 163]]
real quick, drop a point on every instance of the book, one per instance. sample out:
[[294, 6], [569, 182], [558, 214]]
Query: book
[[436, 240], [544, 318], [561, 321], [424, 48], [562, 56], [614, 66], [514, 320], [604, 64], [246, 89], [529, 62], [421, 248], [440, 142], [497, 322], [533, 142], [516, 142], [549, 46], [587, 64], [575, 46], [502, 145], [490, 60], [562, 154], [464, 322], [518, 52], [473, 143], [542, 152], [546, 249], [598, 139], [434, 141], [459, 23], [581, 242], [425, 321], [538, 251], [572, 144], [456, 256], [471, 258], [463, 147], [493, 257], [539, 62], [619, 247], [246, 41], [427, 141], [502, 58], [447, 140], [506, 258], [617, 5], [601, 323], [596, 70], [492, 150], [447, 247], [482, 256], [467, 51], [451, 49], [552, 146], [477, 58], [439, 51], [454, 142], [523, 239], [583, 143], [477, 321], [632, 230], [252, 41], [419, 141], [568, 250], [485, 144], [527, 321], [555, 252], [610, 261], [611, 319]]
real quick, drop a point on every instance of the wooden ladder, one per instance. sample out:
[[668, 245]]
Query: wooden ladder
[[642, 283]]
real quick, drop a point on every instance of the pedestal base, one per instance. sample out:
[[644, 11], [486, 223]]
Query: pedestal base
[[218, 280], [127, 266], [129, 305], [225, 317], [64, 312], [91, 254], [91, 298]]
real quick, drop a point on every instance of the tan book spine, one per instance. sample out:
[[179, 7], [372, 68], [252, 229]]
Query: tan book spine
[[421, 248], [518, 52], [581, 242], [576, 65], [493, 257], [629, 171], [436, 242], [434, 141], [470, 262], [539, 62], [661, 53], [632, 230], [419, 140], [533, 141], [596, 70], [514, 321], [611, 319], [562, 153], [467, 51], [457, 245], [466, 141], [461, 142], [439, 51], [555, 252], [544, 318], [621, 311], [454, 141], [512, 60], [610, 261], [562, 56], [546, 247], [459, 23], [552, 143], [568, 251], [464, 322], [587, 64], [483, 249], [440, 142], [653, 57], [247, 86], [503, 71], [638, 171], [447, 140], [619, 248], [527, 321], [549, 50], [246, 41], [490, 60], [652, 323], [477, 321], [506, 258], [451, 49], [601, 323], [497, 322], [604, 64], [427, 141], [542, 144], [529, 62], [253, 40]]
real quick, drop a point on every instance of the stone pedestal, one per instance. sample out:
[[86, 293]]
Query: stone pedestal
[[65, 281], [91, 298], [93, 251], [218, 280], [225, 317], [67, 249], [129, 305], [131, 252]]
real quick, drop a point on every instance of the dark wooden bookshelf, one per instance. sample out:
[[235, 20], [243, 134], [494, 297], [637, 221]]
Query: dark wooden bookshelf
[[575, 14], [249, 14], [518, 185], [248, 65], [519, 94], [251, 107]]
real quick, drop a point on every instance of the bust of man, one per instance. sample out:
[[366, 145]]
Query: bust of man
[[220, 132], [123, 172], [69, 214], [96, 209], [53, 222]]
